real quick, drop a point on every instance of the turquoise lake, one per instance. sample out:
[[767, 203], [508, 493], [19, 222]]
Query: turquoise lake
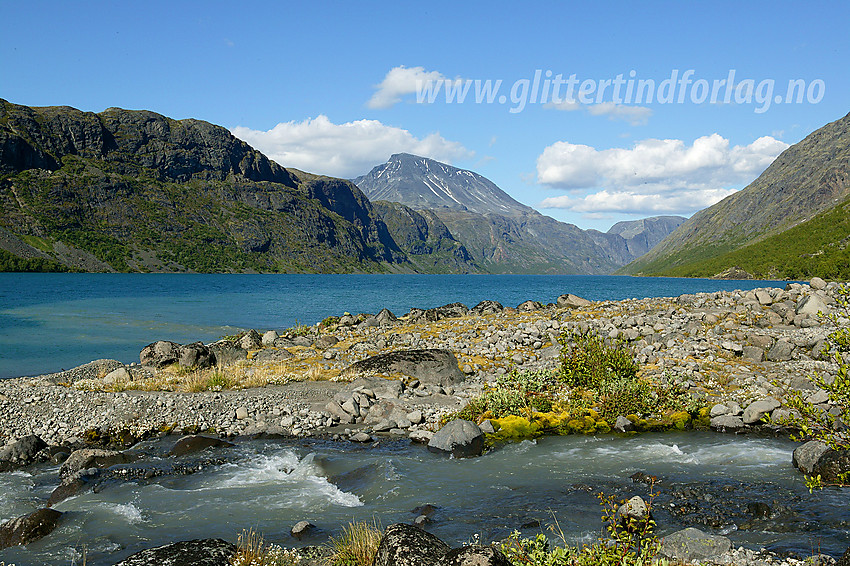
[[50, 322]]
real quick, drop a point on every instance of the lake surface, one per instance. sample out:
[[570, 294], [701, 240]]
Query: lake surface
[[50, 321], [271, 485]]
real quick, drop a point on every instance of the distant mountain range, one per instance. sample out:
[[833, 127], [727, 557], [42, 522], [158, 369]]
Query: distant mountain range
[[500, 234], [125, 190], [791, 222]]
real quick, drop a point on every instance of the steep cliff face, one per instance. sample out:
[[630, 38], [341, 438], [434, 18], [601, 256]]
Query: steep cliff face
[[809, 177], [135, 190]]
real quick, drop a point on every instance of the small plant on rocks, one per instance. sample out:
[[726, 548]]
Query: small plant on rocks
[[587, 361], [252, 551]]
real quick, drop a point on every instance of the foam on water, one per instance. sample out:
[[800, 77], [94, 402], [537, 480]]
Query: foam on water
[[128, 512]]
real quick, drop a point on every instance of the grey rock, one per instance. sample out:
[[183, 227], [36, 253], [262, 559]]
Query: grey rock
[[406, 545], [303, 341], [831, 465], [160, 354], [86, 458], [196, 443], [753, 353], [28, 528], [326, 341], [817, 283], [421, 436], [806, 455], [811, 306], [818, 397], [459, 438], [755, 411], [763, 297], [251, 340], [634, 513], [273, 355], [486, 307], [623, 424], [571, 301], [242, 413], [428, 366], [336, 410], [195, 355], [415, 417], [207, 552], [360, 437], [691, 545], [487, 427], [529, 306], [269, 338], [782, 351], [118, 375], [21, 453], [302, 529], [228, 352], [385, 317], [718, 410], [474, 556], [727, 422]]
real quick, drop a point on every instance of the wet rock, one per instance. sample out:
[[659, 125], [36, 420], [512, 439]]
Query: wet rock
[[195, 355], [406, 545], [28, 528], [571, 301], [831, 465], [160, 354], [421, 436], [691, 544], [68, 488], [91, 458], [486, 307], [302, 529], [360, 437], [206, 552], [21, 453], [806, 455], [474, 556], [196, 443], [755, 411], [459, 438], [427, 365]]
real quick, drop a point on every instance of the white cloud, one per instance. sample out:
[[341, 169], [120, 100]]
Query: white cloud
[[653, 175], [345, 150], [634, 115], [399, 81]]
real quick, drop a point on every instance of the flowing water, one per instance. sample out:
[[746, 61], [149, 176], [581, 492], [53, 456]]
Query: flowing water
[[54, 321], [271, 485]]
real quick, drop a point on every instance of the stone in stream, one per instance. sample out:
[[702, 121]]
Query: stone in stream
[[690, 545], [831, 465], [302, 529], [21, 453], [28, 528], [406, 545], [91, 458], [723, 423], [196, 443], [427, 365], [459, 438], [206, 552]]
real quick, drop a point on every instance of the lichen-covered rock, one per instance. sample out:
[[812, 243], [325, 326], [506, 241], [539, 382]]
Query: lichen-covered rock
[[460, 438], [486, 307], [406, 545], [691, 544], [205, 552], [474, 556], [21, 453], [28, 528], [160, 354], [432, 365]]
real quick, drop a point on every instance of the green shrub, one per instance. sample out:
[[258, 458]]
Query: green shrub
[[586, 361]]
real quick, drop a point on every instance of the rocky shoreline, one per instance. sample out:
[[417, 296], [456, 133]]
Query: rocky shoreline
[[363, 377]]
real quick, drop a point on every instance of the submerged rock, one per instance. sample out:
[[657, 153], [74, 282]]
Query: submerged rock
[[205, 552], [196, 443], [28, 528], [91, 458]]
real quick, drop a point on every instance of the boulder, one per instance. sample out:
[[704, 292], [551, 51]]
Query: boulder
[[459, 438], [831, 465], [406, 545], [474, 556], [251, 340], [272, 355], [206, 552], [427, 365], [691, 545], [268, 338], [228, 352], [726, 422], [529, 306], [486, 307], [160, 354], [571, 301], [623, 424], [196, 443], [302, 529], [633, 514], [782, 351], [21, 453], [28, 528], [91, 458], [195, 355], [817, 283], [811, 306], [753, 353], [453, 310], [326, 341], [755, 411], [385, 317]]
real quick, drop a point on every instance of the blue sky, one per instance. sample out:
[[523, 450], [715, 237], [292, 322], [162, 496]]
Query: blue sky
[[329, 86]]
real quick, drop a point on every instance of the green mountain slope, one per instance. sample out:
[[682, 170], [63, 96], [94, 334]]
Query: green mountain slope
[[809, 177], [136, 191]]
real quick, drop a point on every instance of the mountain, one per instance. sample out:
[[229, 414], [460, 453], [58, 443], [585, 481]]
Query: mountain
[[136, 191], [808, 178], [499, 234], [423, 183], [644, 234]]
